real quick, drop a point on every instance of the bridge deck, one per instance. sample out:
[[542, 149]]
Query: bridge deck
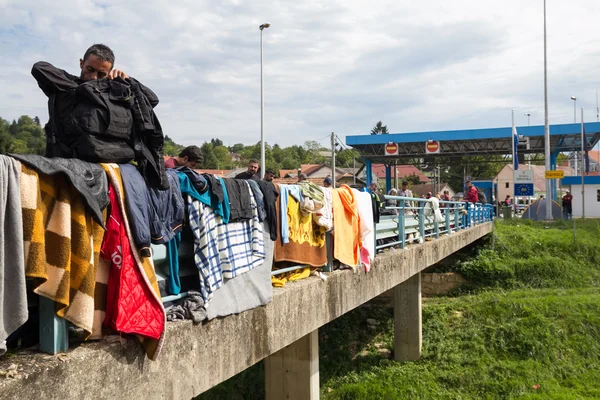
[[196, 358]]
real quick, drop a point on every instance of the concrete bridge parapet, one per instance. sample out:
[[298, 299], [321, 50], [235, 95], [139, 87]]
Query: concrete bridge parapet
[[196, 358]]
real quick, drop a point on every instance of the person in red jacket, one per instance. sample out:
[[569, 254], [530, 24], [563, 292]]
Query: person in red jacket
[[471, 196]]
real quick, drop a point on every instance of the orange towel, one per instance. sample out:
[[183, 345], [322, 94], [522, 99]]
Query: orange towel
[[346, 226]]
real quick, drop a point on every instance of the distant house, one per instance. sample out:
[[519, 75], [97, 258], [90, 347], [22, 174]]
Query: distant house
[[235, 157], [420, 190], [505, 183], [402, 171], [222, 173], [594, 163], [318, 172]]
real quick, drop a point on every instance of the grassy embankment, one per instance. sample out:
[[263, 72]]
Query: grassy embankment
[[528, 326]]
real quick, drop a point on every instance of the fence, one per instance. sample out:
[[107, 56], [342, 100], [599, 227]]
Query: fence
[[414, 220]]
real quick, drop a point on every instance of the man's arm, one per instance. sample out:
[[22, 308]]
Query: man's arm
[[51, 79]]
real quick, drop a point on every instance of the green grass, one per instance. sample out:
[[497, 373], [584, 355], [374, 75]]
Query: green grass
[[491, 345], [530, 316], [535, 255]]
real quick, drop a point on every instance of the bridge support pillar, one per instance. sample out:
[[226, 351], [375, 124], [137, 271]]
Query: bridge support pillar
[[407, 320], [293, 372]]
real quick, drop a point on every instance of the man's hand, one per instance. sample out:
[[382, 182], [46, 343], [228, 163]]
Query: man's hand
[[117, 73]]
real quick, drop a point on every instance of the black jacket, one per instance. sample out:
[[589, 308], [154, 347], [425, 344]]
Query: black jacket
[[155, 216], [239, 194], [69, 138], [88, 179], [246, 175], [270, 195]]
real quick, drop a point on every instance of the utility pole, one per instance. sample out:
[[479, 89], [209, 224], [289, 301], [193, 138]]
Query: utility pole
[[353, 169], [582, 167], [333, 159]]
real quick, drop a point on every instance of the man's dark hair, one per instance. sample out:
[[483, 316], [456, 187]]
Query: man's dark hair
[[269, 171], [253, 161], [102, 52], [467, 182], [193, 153], [404, 183]]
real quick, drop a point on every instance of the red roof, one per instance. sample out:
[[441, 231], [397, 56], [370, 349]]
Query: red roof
[[218, 172], [402, 171]]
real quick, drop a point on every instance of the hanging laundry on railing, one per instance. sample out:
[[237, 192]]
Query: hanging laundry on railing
[[367, 228], [13, 292], [324, 217], [306, 243], [239, 200], [260, 199], [270, 195], [146, 297], [155, 216], [130, 307], [214, 194], [224, 250], [346, 226], [88, 179], [62, 245]]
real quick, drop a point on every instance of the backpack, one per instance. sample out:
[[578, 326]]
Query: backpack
[[112, 121], [482, 196], [100, 128]]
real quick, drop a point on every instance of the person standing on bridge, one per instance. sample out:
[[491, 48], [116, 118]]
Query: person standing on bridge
[[472, 196], [190, 157], [251, 173], [567, 202]]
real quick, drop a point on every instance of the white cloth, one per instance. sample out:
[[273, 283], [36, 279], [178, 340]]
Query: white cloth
[[324, 216], [434, 208], [367, 226]]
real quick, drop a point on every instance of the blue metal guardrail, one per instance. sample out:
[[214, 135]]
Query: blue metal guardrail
[[413, 220]]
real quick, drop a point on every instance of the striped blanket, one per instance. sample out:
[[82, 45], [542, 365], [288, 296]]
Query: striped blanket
[[62, 245]]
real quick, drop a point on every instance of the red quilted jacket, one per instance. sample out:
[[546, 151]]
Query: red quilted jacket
[[130, 305]]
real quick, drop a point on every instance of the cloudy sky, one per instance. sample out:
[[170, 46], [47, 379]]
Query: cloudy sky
[[328, 65]]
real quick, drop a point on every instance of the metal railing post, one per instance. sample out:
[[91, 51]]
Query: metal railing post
[[436, 225], [456, 217], [447, 219], [401, 224], [422, 220]]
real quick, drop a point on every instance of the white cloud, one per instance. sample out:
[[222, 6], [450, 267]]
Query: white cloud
[[329, 66]]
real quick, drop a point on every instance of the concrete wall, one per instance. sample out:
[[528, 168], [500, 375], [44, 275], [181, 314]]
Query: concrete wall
[[440, 283], [196, 358]]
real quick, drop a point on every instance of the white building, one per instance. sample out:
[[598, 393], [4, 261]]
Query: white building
[[591, 196]]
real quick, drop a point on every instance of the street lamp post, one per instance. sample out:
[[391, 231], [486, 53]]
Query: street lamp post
[[574, 109], [546, 125], [528, 115], [262, 104]]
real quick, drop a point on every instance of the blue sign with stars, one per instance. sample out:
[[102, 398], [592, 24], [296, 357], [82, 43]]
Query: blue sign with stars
[[524, 189]]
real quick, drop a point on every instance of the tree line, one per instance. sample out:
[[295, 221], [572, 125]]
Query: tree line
[[26, 136]]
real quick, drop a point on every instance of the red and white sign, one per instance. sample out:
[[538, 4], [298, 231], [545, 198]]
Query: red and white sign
[[391, 149], [432, 147]]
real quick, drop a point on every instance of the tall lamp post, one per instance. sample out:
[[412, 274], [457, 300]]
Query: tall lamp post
[[262, 104], [574, 109], [528, 115], [546, 125]]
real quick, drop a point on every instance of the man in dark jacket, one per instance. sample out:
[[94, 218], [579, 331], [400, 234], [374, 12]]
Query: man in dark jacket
[[251, 173], [138, 133], [97, 63]]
